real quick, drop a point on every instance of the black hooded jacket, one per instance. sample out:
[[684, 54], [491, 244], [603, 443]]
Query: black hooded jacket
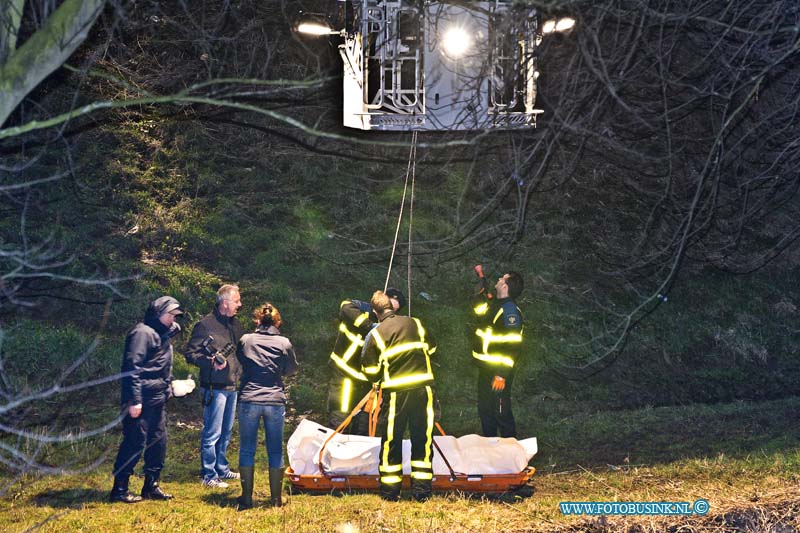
[[148, 356]]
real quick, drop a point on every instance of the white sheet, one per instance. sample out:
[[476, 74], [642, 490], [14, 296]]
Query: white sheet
[[354, 455]]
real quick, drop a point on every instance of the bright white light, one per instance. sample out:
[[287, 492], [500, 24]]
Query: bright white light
[[565, 24], [314, 28], [560, 25], [549, 26], [456, 42]]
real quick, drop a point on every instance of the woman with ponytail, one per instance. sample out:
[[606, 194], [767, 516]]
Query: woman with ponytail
[[266, 357]]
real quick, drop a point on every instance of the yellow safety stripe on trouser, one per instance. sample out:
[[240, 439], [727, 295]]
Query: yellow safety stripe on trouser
[[424, 469], [347, 389], [389, 470]]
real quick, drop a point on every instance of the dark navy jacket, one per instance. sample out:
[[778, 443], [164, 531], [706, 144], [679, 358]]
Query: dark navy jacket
[[148, 357]]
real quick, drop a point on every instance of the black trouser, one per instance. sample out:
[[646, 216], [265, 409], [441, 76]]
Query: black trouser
[[413, 409], [148, 434], [342, 398], [494, 408]]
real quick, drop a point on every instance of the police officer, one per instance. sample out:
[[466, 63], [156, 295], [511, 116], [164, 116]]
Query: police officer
[[348, 383], [498, 340], [147, 370], [397, 354]]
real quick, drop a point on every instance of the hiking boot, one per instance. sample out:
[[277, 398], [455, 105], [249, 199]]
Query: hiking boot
[[151, 490], [120, 492]]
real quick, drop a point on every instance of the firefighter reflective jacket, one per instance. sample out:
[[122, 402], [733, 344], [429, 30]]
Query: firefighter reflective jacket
[[355, 320], [498, 336], [397, 354]]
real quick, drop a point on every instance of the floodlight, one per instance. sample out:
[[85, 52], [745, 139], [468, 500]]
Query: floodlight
[[549, 26], [314, 24], [456, 42], [565, 24]]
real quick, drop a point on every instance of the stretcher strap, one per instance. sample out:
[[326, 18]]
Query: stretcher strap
[[344, 424], [444, 458], [376, 400]]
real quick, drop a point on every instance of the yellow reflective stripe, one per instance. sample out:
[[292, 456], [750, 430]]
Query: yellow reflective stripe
[[488, 335], [351, 350], [360, 319], [495, 359], [389, 428], [407, 380], [391, 480], [498, 315], [344, 302], [403, 347], [390, 469], [347, 387], [352, 337], [429, 428], [421, 475], [378, 340], [481, 309], [421, 464], [347, 369], [371, 370], [420, 329], [431, 351]]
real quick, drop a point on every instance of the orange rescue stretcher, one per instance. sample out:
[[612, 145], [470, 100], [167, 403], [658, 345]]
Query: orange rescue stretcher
[[455, 481]]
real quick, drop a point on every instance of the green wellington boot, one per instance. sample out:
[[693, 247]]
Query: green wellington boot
[[247, 478]]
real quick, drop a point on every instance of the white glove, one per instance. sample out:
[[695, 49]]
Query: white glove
[[182, 387]]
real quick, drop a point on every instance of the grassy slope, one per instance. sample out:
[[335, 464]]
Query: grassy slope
[[737, 456]]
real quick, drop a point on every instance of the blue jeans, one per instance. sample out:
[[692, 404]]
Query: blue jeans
[[218, 418], [250, 415]]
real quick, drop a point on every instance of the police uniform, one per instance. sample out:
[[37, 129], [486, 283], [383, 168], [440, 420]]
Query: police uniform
[[498, 340], [349, 384], [397, 354]]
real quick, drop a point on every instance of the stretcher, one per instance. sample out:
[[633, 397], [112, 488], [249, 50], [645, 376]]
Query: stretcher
[[450, 477], [484, 484]]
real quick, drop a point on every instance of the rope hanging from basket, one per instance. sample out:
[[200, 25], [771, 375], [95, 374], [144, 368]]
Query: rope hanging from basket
[[411, 172]]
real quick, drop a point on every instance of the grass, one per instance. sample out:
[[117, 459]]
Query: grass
[[750, 478]]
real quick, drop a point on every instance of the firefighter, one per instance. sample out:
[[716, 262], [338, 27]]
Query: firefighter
[[498, 339], [348, 383], [397, 355]]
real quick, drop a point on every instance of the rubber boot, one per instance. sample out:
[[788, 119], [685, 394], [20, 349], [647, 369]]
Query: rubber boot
[[151, 490], [275, 487], [245, 501], [120, 492]]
